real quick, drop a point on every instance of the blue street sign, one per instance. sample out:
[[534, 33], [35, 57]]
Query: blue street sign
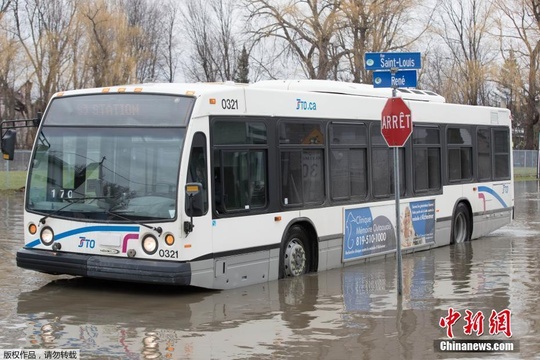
[[387, 61], [402, 78]]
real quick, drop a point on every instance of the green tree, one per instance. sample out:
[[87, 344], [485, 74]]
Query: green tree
[[242, 70]]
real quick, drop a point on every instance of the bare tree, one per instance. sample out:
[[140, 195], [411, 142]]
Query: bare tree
[[169, 52], [78, 74], [110, 56], [7, 61], [144, 22], [227, 51], [4, 5], [209, 25], [10, 101], [308, 29], [379, 25], [15, 97], [270, 59], [511, 87], [464, 28], [43, 28], [523, 38], [198, 23], [438, 67]]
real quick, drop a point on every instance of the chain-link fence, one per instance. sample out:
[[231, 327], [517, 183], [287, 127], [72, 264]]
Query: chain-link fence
[[13, 173], [525, 163], [19, 163]]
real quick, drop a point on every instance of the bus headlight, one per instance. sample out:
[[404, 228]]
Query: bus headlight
[[47, 236], [149, 244]]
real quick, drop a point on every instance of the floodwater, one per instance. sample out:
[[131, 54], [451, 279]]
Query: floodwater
[[350, 313]]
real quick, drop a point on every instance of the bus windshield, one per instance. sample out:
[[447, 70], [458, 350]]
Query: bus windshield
[[106, 172]]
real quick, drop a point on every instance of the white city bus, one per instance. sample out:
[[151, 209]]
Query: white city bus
[[225, 185]]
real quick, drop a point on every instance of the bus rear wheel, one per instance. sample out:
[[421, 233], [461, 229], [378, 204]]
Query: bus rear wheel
[[294, 253], [461, 225]]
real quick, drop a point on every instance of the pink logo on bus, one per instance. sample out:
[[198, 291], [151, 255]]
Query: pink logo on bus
[[483, 197], [126, 239]]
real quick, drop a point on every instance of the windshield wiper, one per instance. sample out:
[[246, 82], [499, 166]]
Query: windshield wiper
[[71, 202], [158, 229]]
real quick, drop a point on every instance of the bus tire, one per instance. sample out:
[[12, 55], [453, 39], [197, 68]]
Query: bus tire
[[294, 257], [461, 225]]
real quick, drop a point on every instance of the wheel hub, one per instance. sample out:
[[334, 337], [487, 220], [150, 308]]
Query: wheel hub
[[295, 259]]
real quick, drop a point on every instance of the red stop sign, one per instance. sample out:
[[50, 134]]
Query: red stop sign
[[396, 122]]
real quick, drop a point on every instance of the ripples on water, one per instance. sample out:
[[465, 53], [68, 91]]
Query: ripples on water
[[340, 314], [11, 205]]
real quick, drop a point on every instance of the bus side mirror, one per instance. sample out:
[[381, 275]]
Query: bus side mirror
[[8, 144], [194, 204]]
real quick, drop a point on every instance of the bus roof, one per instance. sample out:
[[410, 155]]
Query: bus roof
[[318, 86], [313, 98], [345, 88]]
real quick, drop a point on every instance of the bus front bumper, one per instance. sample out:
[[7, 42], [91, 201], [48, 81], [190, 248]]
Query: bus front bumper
[[105, 267]]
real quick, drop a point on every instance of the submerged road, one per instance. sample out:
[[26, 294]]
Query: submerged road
[[350, 313]]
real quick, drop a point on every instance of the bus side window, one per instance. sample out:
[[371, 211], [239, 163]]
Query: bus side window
[[197, 166]]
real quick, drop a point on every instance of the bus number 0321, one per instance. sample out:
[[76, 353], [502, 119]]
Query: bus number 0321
[[171, 254], [229, 104]]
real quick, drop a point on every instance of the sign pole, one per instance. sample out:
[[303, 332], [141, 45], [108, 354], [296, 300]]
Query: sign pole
[[397, 196], [395, 70], [537, 159], [398, 228]]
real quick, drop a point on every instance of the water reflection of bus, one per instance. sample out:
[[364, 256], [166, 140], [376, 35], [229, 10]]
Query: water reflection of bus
[[223, 185], [106, 321], [329, 315]]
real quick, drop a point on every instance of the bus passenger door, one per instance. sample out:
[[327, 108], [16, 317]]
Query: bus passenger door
[[196, 203]]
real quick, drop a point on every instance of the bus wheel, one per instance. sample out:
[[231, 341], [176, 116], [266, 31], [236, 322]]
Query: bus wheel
[[294, 254], [461, 223]]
